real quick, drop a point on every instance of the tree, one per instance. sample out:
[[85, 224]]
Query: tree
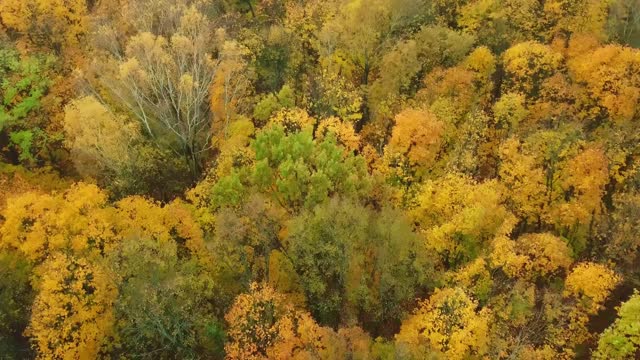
[[245, 239], [623, 24], [337, 95], [295, 171], [527, 65], [293, 120], [231, 86], [532, 256], [16, 299], [455, 86], [72, 314], [271, 104], [417, 135], [623, 226], [590, 284], [84, 224], [447, 324], [455, 216], [499, 24], [622, 338], [262, 325], [25, 83], [359, 38], [586, 288], [354, 264], [111, 149], [574, 16], [57, 24], [342, 130], [78, 220], [584, 177], [509, 111], [524, 180], [403, 66], [16, 180], [358, 31], [413, 149], [99, 140], [166, 82], [164, 303], [607, 74]]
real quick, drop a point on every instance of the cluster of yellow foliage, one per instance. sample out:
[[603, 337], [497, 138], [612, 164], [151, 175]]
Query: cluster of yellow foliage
[[72, 315], [67, 236], [446, 323], [264, 325]]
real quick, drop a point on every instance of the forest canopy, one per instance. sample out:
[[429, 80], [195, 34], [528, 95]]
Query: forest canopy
[[319, 179]]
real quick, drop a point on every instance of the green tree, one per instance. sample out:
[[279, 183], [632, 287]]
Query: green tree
[[16, 297], [356, 264], [295, 171], [23, 84], [622, 339], [164, 304]]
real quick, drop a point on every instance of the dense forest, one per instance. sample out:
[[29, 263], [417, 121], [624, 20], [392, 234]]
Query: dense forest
[[319, 179]]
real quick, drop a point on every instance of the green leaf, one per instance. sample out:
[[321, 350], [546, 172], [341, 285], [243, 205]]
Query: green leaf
[[24, 141]]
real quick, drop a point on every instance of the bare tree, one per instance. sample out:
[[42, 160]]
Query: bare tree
[[165, 83]]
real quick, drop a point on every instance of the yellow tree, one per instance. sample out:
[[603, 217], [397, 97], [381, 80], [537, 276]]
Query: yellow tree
[[343, 131], [253, 323], [77, 220], [68, 237], [301, 338], [81, 222], [456, 85], [99, 140], [575, 16], [590, 284], [293, 120], [532, 256], [509, 111], [448, 324], [50, 23], [501, 23], [262, 324], [72, 316], [524, 180], [527, 65], [172, 223], [16, 180], [456, 216], [612, 80], [581, 187], [586, 288], [357, 31], [414, 147], [235, 149], [482, 63]]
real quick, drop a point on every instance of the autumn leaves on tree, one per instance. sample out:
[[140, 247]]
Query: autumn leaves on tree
[[342, 179]]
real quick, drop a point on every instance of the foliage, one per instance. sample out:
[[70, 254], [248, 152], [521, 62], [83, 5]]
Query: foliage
[[24, 83], [355, 263], [263, 325], [72, 314], [57, 24], [295, 170], [620, 340], [446, 324], [339, 179], [15, 292]]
